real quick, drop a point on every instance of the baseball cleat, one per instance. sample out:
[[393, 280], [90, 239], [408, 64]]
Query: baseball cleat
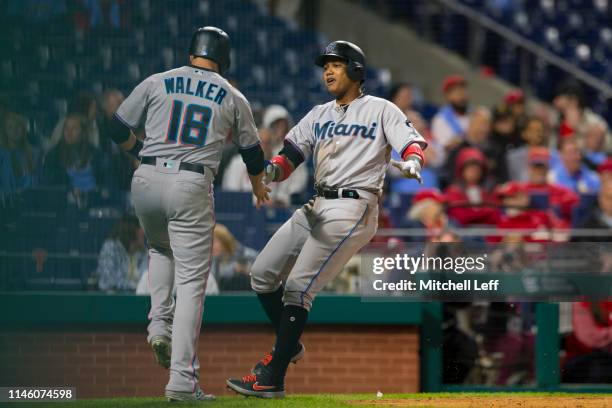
[[257, 368], [250, 386], [199, 395], [162, 350]]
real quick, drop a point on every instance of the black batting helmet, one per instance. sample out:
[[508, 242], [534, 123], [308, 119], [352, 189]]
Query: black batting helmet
[[212, 43], [352, 54]]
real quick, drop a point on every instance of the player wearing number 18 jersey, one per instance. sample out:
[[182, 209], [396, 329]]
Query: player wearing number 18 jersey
[[187, 114]]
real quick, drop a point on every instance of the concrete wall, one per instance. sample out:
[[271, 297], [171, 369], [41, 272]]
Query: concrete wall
[[407, 56]]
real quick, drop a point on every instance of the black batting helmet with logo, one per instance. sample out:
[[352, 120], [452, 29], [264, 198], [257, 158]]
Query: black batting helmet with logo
[[212, 43], [352, 54]]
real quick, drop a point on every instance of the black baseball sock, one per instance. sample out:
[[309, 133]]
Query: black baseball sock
[[293, 321], [273, 306]]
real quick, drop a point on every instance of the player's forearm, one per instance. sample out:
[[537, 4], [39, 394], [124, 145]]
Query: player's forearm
[[256, 179], [253, 158]]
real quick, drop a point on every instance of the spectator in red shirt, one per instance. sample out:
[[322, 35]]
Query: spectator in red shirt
[[517, 214], [589, 347], [560, 198], [470, 201]]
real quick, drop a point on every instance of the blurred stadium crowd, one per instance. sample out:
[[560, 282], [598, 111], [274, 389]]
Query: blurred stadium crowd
[[64, 187]]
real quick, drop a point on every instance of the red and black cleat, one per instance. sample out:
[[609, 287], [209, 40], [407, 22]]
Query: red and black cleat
[[256, 386]]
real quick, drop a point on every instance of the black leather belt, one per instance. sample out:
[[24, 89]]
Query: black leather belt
[[197, 168], [332, 193]]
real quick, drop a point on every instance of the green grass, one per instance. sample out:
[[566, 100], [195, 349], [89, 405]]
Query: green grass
[[292, 401]]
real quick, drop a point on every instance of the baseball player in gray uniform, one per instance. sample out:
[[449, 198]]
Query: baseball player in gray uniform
[[187, 113], [350, 139]]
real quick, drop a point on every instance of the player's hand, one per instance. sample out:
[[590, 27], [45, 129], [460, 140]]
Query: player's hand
[[309, 206], [411, 168], [262, 194]]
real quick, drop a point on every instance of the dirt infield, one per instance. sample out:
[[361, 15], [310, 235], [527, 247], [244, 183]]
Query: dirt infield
[[492, 402]]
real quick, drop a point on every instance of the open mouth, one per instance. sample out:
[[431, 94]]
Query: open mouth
[[330, 81]]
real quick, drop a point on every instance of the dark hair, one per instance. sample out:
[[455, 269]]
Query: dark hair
[[81, 103], [125, 230], [572, 89], [396, 88], [83, 146]]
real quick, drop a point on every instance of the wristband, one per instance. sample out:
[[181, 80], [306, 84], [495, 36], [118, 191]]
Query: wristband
[[414, 149], [283, 163]]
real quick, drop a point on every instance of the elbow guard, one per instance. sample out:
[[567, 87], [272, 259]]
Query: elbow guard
[[414, 149], [118, 130], [253, 157]]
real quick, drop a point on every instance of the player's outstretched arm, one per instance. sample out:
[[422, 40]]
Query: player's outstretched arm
[[253, 158], [260, 189], [412, 164]]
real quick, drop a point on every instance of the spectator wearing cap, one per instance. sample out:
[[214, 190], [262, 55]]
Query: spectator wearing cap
[[276, 124], [427, 211], [470, 201], [477, 135], [570, 171], [605, 170], [577, 119], [514, 100], [534, 134], [560, 198], [450, 124], [517, 214]]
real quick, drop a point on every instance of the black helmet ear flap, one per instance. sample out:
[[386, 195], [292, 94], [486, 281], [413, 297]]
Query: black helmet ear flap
[[355, 71]]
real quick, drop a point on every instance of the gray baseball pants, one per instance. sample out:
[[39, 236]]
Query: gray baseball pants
[[313, 246], [176, 210]]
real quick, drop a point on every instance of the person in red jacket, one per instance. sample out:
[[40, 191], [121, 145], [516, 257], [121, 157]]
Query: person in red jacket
[[589, 347], [470, 201], [514, 197], [561, 199]]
